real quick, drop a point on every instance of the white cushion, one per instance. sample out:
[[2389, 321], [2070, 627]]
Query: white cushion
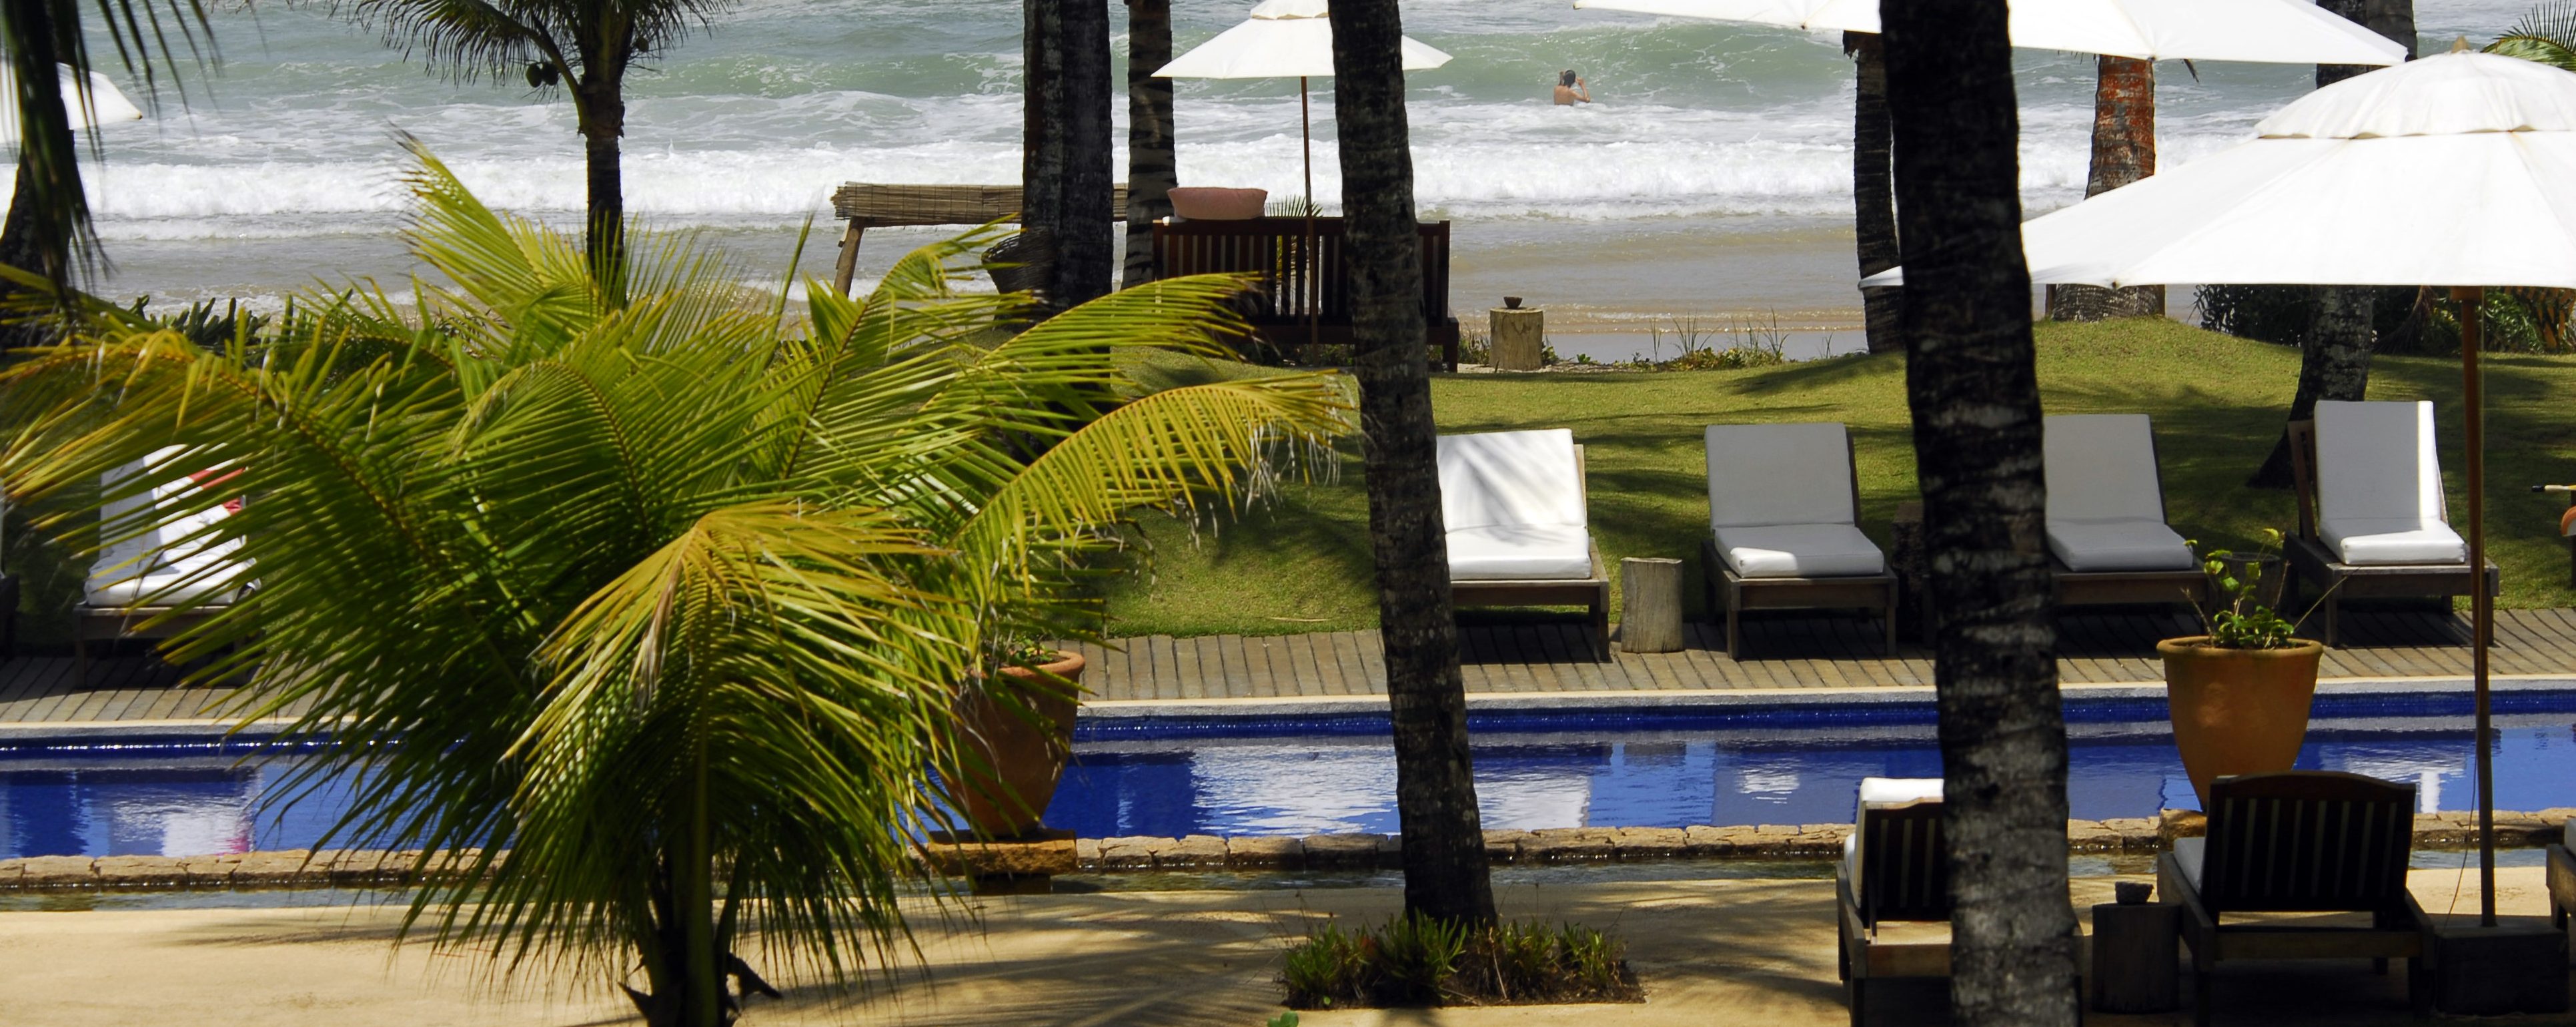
[[2102, 467], [2406, 541], [1779, 474], [1897, 791], [1510, 477], [2121, 545], [2188, 855], [2376, 461], [1520, 552], [1799, 551], [166, 563]]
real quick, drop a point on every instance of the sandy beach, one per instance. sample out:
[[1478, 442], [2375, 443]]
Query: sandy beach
[[1761, 950]]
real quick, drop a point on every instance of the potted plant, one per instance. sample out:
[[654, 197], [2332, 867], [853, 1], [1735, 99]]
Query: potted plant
[[2239, 693], [1016, 730]]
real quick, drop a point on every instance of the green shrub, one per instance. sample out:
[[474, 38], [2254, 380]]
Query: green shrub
[[1326, 969], [1424, 961]]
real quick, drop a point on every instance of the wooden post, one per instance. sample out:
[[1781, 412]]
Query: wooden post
[[1651, 617], [2472, 301], [847, 266], [1519, 336], [2133, 958]]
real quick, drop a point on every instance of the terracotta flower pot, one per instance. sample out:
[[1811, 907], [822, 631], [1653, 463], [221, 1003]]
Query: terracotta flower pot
[[2238, 711], [1022, 757], [1211, 203]]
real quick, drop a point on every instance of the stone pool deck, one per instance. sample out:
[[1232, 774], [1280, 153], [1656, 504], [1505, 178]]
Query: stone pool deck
[[1731, 951], [1561, 846], [1538, 664]]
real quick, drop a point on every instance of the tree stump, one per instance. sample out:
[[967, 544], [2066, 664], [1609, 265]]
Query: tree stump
[[1519, 337], [1651, 589]]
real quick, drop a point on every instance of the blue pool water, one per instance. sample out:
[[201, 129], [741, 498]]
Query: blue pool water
[[1659, 769]]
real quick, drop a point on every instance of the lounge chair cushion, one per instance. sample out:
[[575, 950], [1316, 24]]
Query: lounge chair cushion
[[1510, 478], [1799, 551], [1520, 553], [2394, 542], [165, 565], [2379, 485], [2189, 853], [2118, 545], [2102, 467], [1762, 474]]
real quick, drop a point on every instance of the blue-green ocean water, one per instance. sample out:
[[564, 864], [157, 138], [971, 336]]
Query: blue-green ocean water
[[1712, 176]]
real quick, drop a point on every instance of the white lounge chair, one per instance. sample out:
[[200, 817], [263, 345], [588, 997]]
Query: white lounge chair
[[1784, 527], [2106, 515], [2372, 519], [153, 578], [1513, 503], [1892, 888]]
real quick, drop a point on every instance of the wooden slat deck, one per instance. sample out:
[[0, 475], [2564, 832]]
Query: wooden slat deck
[[1517, 657]]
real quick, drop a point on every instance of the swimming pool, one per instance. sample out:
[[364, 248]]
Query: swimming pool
[[1294, 775]]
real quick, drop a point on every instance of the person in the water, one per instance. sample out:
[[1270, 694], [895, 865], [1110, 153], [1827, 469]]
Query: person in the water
[[1570, 89]]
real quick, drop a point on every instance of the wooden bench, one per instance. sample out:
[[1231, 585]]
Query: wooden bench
[[866, 205], [1308, 303], [2314, 565]]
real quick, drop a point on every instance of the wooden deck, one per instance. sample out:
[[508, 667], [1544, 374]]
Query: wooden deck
[[1530, 657]]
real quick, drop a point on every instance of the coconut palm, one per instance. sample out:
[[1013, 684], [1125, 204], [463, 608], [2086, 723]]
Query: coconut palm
[[1972, 385], [1151, 170], [1445, 871], [585, 47], [672, 598], [48, 233]]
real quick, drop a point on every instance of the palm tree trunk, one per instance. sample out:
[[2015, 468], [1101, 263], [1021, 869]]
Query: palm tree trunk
[[2124, 151], [1043, 150], [1873, 192], [603, 120], [2334, 355], [19, 249], [1972, 383], [1086, 238], [1151, 169], [1445, 873]]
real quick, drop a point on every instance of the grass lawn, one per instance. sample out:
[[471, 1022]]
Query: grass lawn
[[1301, 562]]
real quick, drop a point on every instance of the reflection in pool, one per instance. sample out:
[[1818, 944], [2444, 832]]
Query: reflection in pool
[[56, 801]]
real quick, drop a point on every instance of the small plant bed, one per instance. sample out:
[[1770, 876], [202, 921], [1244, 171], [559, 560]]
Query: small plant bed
[[1424, 961]]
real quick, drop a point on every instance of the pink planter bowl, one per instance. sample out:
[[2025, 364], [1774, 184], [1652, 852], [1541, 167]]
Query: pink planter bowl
[[1208, 203]]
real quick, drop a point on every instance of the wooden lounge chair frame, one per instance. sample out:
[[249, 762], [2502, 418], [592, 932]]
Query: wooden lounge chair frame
[[2107, 588], [2562, 885], [1298, 297], [1592, 592], [1905, 878], [2298, 830], [111, 623], [2313, 564], [1729, 594]]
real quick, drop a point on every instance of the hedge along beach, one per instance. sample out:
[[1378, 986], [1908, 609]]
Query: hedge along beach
[[1710, 180]]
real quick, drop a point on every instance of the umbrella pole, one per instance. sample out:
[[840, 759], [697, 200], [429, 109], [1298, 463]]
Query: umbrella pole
[[2472, 302], [1314, 290]]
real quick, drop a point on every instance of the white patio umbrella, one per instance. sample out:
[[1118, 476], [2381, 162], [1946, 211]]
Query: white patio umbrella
[[2275, 31], [2455, 170], [107, 104], [1284, 39]]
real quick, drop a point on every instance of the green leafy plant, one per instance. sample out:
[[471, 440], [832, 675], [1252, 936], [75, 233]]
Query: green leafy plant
[[1417, 961], [1286, 1019], [2237, 618], [1417, 954], [667, 592], [1327, 968]]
